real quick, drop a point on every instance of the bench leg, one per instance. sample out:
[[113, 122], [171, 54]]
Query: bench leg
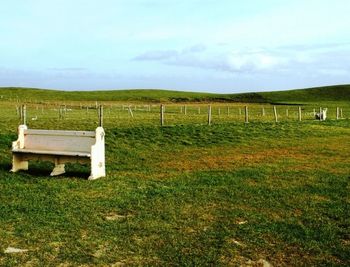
[[97, 170], [59, 168], [18, 164]]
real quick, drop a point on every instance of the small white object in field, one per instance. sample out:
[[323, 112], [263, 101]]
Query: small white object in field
[[264, 263], [322, 115], [15, 250], [114, 217], [260, 262], [234, 241], [35, 118]]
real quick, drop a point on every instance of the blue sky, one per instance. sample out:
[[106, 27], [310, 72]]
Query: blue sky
[[194, 45]]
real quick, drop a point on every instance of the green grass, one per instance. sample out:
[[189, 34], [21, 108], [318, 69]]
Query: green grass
[[188, 195], [184, 194]]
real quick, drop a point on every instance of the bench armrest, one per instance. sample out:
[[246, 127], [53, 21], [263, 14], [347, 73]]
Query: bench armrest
[[19, 143], [99, 145], [98, 155]]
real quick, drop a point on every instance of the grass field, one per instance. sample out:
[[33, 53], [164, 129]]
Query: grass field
[[184, 194]]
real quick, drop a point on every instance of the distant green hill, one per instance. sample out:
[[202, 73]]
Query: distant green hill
[[317, 94], [310, 95]]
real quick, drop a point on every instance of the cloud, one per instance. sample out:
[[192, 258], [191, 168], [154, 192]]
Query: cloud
[[157, 55], [67, 69], [320, 58], [170, 55]]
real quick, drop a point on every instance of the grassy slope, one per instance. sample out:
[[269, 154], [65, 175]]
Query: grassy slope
[[186, 195], [320, 94], [190, 196]]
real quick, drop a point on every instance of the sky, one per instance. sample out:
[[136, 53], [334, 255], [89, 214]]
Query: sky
[[223, 46]]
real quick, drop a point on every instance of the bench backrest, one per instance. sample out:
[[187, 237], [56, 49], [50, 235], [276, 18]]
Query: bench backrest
[[58, 140]]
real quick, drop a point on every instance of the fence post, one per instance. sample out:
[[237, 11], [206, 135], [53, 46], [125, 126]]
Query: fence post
[[263, 111], [228, 110], [21, 113], [275, 113], [299, 113], [100, 116], [287, 113], [209, 115], [199, 110], [320, 114], [24, 116], [337, 113], [161, 115], [219, 111], [341, 113], [246, 114], [130, 111], [185, 110]]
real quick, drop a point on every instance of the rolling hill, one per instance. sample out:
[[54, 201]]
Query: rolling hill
[[308, 95]]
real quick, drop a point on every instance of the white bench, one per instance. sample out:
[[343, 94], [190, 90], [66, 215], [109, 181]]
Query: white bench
[[60, 147]]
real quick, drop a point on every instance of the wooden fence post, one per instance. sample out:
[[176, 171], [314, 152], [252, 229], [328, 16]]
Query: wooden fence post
[[263, 111], [287, 113], [337, 113], [219, 111], [209, 115], [130, 111], [21, 113], [185, 110], [24, 116], [299, 113], [100, 116], [161, 115], [199, 110], [275, 113], [246, 114], [341, 113]]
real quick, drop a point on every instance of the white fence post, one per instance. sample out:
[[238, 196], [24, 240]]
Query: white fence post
[[209, 115]]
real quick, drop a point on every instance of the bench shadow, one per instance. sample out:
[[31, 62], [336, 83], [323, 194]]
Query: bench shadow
[[37, 170]]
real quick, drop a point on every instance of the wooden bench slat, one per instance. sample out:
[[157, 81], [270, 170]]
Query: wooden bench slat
[[59, 133]]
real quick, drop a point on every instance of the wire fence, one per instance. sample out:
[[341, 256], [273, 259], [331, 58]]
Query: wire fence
[[80, 115]]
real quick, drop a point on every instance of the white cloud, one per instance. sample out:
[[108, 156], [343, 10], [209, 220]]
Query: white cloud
[[250, 61]]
